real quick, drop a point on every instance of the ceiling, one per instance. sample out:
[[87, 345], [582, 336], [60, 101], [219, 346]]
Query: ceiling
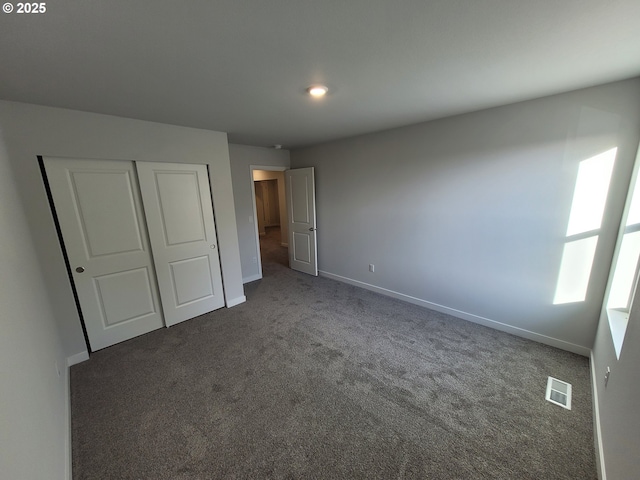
[[242, 66]]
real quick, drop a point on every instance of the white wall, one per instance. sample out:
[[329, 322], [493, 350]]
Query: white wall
[[469, 214], [34, 417], [30, 130], [242, 158]]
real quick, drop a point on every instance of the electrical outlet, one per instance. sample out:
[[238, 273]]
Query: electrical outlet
[[372, 267]]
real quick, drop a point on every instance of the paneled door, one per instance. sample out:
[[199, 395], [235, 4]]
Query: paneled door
[[100, 214], [301, 207], [177, 203]]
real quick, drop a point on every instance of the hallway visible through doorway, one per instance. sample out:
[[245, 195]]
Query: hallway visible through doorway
[[271, 249], [270, 216]]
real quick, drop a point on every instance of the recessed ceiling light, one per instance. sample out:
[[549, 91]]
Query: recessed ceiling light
[[317, 91]]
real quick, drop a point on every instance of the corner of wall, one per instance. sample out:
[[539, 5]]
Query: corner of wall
[[597, 431], [68, 448], [77, 358]]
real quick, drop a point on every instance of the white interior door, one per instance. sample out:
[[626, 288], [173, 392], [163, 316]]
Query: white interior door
[[301, 208], [100, 214], [177, 203]]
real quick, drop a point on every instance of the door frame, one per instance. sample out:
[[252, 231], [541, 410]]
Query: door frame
[[272, 168]]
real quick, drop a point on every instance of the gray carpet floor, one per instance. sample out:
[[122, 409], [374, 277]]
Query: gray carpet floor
[[311, 378]]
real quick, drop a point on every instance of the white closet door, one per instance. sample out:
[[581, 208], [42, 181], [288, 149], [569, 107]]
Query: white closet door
[[100, 214], [177, 203]]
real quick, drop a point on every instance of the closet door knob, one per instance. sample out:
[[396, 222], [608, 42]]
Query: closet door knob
[[80, 269], [213, 246]]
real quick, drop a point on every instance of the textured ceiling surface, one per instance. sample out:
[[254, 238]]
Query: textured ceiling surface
[[242, 66]]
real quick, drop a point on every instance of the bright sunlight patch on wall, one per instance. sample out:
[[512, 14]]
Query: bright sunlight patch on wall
[[590, 195], [585, 219], [575, 270]]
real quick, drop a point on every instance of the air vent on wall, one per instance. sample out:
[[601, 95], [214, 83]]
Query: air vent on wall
[[559, 392]]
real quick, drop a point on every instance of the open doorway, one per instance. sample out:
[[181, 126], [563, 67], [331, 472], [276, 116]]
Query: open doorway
[[270, 216]]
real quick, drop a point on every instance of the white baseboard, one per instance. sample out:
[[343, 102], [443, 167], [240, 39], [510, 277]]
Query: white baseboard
[[236, 301], [251, 278], [72, 360], [520, 332], [597, 431], [68, 448], [77, 358]]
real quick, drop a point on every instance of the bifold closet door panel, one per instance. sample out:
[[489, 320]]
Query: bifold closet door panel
[[179, 212], [99, 209]]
